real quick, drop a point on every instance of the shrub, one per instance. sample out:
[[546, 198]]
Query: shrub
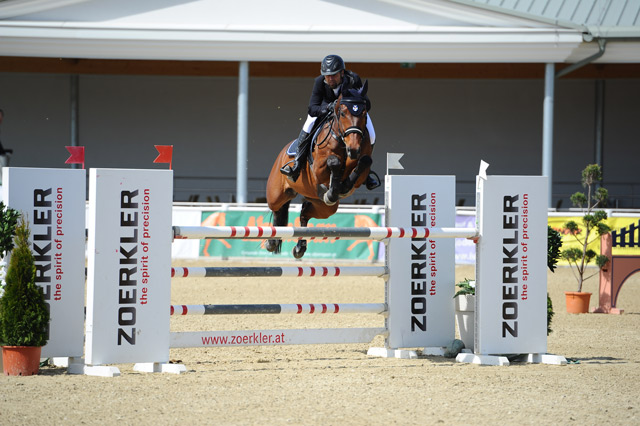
[[23, 311]]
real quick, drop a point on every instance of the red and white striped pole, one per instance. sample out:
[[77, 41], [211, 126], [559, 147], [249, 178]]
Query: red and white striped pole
[[284, 232], [290, 271]]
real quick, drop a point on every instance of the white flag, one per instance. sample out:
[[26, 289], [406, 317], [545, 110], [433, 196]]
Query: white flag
[[483, 169], [393, 161]]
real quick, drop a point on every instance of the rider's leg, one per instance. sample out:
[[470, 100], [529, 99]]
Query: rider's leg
[[302, 151], [372, 181]]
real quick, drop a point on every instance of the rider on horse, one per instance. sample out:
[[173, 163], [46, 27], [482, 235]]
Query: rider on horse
[[326, 89]]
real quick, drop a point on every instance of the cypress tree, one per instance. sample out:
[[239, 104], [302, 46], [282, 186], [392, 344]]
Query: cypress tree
[[25, 315]]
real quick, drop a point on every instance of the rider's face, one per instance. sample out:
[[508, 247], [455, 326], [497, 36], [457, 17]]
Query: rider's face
[[333, 81]]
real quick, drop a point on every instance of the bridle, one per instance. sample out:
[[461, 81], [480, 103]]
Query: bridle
[[349, 130]]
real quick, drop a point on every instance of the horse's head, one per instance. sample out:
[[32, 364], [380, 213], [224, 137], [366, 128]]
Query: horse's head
[[351, 113]]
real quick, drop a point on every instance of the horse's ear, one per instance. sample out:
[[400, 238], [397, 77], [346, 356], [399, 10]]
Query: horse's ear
[[365, 87]]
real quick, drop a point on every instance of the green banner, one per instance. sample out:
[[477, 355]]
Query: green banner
[[328, 249]]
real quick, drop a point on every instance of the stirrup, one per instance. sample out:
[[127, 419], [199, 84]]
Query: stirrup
[[290, 172], [373, 181]]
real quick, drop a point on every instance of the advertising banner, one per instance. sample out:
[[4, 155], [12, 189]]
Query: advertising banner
[[320, 249], [625, 234], [511, 269], [422, 270], [53, 201], [129, 278]]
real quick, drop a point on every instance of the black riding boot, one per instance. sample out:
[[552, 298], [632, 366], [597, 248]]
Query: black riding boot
[[302, 151]]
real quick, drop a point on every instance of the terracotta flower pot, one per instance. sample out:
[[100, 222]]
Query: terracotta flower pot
[[21, 360], [577, 302]]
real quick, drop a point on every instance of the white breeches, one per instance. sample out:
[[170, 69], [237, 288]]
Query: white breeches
[[372, 133]]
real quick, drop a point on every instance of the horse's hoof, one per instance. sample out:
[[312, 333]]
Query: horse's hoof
[[327, 200], [299, 250], [273, 246]]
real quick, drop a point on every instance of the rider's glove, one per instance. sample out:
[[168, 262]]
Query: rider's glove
[[329, 107]]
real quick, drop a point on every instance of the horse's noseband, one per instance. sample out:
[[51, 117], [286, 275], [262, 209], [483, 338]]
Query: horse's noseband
[[352, 129]]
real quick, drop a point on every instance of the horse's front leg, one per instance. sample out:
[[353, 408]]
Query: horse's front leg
[[333, 194], [364, 163]]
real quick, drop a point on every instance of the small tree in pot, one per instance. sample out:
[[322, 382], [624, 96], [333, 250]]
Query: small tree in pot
[[593, 226], [8, 221], [24, 315]]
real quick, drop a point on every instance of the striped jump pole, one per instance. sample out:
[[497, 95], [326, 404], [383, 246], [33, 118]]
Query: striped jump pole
[[285, 232], [293, 308], [289, 271]]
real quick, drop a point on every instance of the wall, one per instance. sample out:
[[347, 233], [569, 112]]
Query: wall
[[444, 126]]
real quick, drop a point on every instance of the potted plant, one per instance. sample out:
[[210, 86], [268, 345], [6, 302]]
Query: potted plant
[[8, 220], [592, 227], [24, 315]]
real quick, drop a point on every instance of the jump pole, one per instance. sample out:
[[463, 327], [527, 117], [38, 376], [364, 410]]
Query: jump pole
[[282, 232], [289, 308], [280, 271]]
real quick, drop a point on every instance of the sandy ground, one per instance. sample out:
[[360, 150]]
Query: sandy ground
[[340, 384]]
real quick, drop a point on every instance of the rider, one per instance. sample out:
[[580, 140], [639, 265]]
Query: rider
[[326, 89]]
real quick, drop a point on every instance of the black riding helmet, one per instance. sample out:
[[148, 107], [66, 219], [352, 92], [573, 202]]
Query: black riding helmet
[[331, 64]]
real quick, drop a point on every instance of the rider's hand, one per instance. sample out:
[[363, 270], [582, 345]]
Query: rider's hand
[[328, 107]]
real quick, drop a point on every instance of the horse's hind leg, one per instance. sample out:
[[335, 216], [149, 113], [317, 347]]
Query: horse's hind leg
[[280, 218], [301, 246], [311, 209]]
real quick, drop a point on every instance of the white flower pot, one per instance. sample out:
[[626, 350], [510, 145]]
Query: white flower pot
[[465, 311]]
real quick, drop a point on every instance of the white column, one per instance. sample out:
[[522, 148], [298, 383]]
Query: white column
[[75, 112], [547, 128], [243, 122]]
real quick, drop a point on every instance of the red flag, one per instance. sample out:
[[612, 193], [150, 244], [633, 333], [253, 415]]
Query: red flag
[[165, 154], [77, 155]]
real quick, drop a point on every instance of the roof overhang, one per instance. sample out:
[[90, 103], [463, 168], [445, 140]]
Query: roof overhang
[[420, 31], [441, 44]]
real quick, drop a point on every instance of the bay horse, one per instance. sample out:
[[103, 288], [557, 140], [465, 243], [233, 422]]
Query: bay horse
[[339, 163]]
